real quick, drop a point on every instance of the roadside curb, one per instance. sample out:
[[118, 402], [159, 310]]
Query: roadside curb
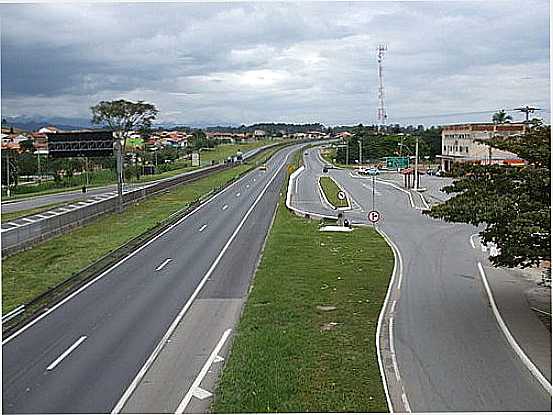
[[510, 338], [325, 199]]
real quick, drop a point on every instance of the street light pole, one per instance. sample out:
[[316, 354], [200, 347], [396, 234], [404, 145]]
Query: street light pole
[[360, 153], [8, 171], [119, 155], [417, 164], [347, 152]]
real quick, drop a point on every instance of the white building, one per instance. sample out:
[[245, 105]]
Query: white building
[[460, 145]]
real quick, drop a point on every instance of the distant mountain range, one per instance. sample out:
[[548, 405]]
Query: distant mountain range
[[31, 123], [35, 123]]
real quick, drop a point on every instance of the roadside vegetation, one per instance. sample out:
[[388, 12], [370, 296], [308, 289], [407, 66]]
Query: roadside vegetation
[[331, 190], [68, 173], [27, 274], [306, 339]]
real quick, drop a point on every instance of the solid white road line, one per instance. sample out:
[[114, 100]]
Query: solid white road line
[[183, 311], [225, 207], [193, 391], [66, 353], [202, 228], [84, 287], [471, 240], [518, 350], [397, 270], [399, 188], [162, 265]]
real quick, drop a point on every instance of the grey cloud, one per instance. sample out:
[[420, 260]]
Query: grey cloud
[[247, 62]]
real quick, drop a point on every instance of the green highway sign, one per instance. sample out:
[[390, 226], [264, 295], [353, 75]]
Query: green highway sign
[[397, 162]]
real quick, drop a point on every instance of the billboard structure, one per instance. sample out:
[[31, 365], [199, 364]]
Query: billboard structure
[[82, 143]]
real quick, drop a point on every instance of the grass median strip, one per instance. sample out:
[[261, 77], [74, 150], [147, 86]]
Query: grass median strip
[[27, 274], [306, 339], [331, 190]]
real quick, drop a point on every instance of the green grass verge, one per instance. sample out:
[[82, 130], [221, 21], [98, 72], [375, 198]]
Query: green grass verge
[[27, 274], [8, 216], [331, 189], [288, 355], [106, 177]]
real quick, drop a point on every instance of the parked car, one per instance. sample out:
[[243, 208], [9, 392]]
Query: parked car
[[263, 167]]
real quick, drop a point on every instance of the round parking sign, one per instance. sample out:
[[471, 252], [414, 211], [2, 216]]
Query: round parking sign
[[374, 216], [341, 195]]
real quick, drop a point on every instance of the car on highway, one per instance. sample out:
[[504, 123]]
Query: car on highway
[[370, 171], [326, 168]]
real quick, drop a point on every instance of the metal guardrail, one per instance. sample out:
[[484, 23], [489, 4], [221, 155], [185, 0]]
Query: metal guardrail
[[14, 313], [28, 311]]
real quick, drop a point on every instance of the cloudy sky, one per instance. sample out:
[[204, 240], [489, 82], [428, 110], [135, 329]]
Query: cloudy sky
[[234, 63]]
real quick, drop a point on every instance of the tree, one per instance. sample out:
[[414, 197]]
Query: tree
[[123, 116], [501, 117], [512, 202], [27, 146]]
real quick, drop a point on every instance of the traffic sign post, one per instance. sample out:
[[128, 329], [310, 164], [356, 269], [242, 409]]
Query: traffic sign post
[[374, 216]]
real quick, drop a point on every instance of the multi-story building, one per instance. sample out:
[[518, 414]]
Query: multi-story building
[[460, 144]]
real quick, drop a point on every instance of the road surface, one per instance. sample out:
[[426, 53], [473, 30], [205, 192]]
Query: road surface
[[450, 353], [33, 202], [83, 355]]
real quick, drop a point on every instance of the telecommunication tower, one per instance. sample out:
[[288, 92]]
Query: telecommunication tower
[[381, 115]]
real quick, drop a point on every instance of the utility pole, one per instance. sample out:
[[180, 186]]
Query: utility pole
[[417, 164], [380, 112]]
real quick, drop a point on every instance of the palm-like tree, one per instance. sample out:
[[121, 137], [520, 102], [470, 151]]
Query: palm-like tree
[[501, 117]]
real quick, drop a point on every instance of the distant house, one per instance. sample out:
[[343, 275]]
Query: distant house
[[10, 142], [461, 144], [259, 134], [48, 129]]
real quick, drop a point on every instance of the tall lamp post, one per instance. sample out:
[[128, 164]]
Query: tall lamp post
[[360, 154]]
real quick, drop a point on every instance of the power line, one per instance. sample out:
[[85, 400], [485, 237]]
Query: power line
[[453, 114]]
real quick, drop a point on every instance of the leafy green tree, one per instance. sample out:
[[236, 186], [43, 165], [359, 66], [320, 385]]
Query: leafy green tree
[[514, 203], [123, 116], [27, 146], [501, 117]]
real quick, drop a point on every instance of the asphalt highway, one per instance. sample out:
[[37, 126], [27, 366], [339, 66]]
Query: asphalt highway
[[84, 354], [450, 352], [33, 202]]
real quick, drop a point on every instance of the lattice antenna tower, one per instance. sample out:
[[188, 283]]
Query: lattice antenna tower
[[381, 115]]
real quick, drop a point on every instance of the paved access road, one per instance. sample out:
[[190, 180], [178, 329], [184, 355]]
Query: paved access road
[[450, 352], [83, 354], [33, 202]]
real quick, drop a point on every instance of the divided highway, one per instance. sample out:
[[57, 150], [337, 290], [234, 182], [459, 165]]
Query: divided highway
[[84, 354], [448, 352]]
